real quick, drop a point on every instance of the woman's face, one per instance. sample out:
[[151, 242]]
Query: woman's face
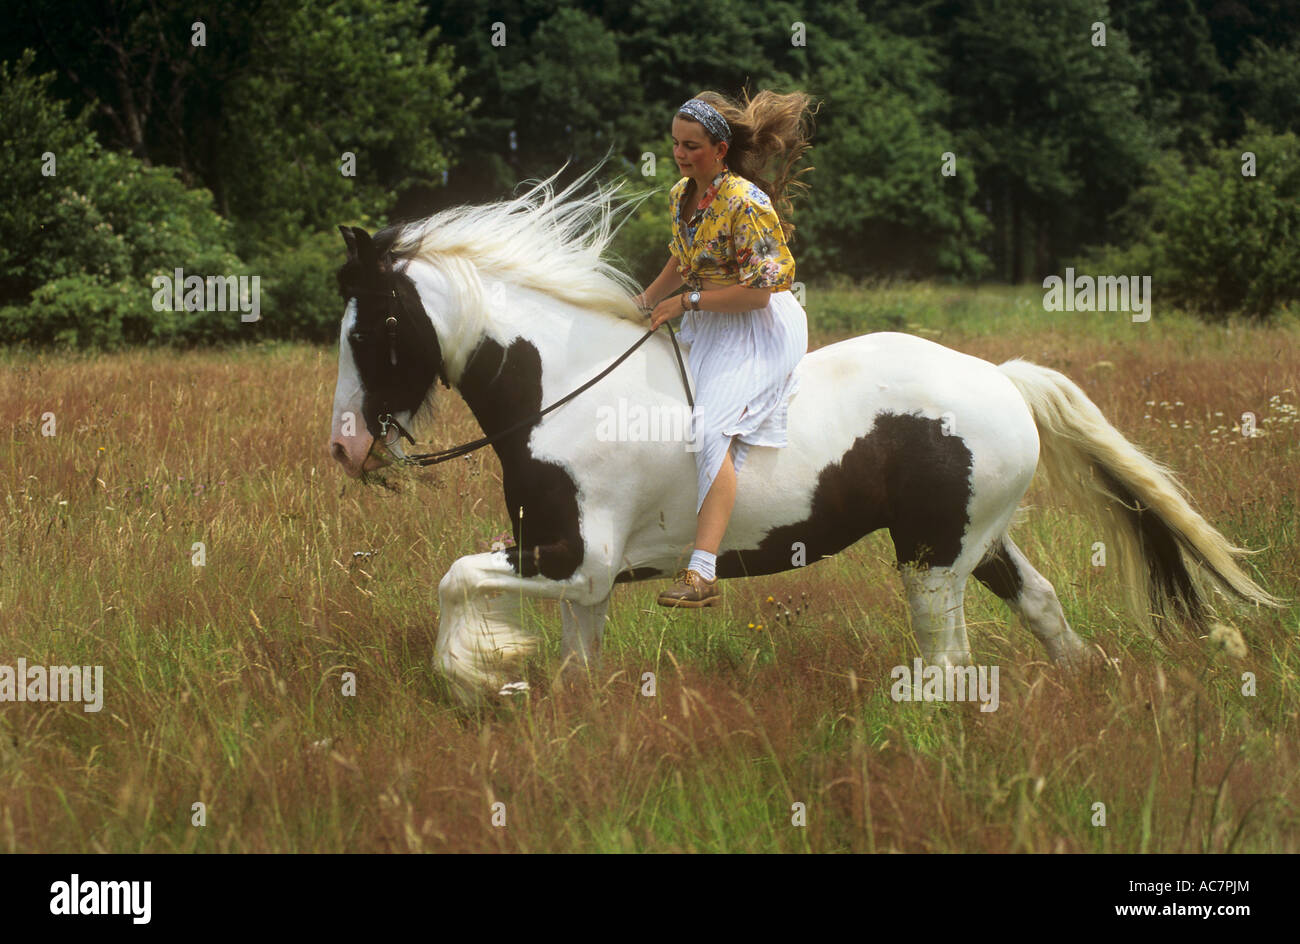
[[695, 154]]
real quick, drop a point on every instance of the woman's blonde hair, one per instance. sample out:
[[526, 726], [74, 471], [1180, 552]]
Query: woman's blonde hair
[[769, 136]]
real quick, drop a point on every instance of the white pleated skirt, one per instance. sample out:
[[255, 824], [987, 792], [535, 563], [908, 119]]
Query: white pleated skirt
[[743, 367]]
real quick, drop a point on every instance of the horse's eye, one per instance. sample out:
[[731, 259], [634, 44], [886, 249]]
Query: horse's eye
[[357, 337]]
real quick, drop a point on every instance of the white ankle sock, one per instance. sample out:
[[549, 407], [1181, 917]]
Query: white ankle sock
[[704, 564]]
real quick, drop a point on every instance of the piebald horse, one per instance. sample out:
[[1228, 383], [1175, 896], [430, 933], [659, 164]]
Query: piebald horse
[[514, 306]]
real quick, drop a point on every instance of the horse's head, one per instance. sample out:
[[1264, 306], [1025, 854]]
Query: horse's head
[[389, 356]]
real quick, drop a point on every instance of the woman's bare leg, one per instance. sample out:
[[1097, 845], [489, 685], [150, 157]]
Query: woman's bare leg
[[711, 523]]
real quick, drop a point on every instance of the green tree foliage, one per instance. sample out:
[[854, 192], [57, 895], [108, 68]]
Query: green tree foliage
[[300, 297], [85, 243], [1215, 240], [679, 49], [640, 246], [232, 150], [49, 227], [879, 203], [133, 61], [380, 88], [1267, 86], [563, 119], [1179, 90], [1049, 120], [1234, 27], [262, 113]]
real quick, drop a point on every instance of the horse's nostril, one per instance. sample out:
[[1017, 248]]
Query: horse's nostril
[[338, 452]]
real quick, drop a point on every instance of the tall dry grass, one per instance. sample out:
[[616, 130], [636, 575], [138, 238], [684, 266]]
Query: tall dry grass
[[223, 682]]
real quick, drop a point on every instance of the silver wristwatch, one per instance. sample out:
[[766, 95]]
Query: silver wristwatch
[[694, 299]]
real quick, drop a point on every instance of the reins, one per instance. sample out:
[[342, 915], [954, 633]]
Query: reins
[[387, 419]]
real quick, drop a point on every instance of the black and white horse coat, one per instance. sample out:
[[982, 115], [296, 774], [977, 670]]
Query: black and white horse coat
[[510, 305]]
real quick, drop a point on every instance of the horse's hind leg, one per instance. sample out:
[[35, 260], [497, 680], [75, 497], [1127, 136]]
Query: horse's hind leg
[[936, 598], [1006, 572]]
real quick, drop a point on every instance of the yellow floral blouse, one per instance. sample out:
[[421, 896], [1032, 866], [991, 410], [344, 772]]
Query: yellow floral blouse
[[733, 237]]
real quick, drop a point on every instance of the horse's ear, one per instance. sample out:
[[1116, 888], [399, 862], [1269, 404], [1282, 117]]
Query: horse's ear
[[350, 240], [360, 246]]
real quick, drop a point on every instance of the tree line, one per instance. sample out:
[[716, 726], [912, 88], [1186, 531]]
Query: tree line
[[955, 139]]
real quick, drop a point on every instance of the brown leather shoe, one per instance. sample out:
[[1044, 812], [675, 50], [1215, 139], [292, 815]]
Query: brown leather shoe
[[691, 590]]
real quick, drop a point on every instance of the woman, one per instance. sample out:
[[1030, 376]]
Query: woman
[[746, 330]]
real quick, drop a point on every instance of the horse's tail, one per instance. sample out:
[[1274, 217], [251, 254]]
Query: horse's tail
[[1163, 547]]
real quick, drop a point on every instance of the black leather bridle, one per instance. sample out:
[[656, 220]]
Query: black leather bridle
[[386, 418]]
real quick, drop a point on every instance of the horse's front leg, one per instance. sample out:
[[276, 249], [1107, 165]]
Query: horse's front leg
[[481, 639], [583, 628]]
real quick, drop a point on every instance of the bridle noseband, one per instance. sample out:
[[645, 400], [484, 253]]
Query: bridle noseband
[[387, 420]]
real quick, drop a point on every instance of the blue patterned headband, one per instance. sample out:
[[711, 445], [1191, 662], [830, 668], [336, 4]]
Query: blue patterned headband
[[708, 116]]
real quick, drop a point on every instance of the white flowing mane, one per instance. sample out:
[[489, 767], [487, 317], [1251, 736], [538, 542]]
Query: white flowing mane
[[552, 242]]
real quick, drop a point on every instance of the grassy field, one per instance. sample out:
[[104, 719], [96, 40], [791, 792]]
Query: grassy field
[[223, 682]]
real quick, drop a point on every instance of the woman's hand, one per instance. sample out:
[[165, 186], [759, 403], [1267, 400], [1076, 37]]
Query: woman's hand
[[666, 310]]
